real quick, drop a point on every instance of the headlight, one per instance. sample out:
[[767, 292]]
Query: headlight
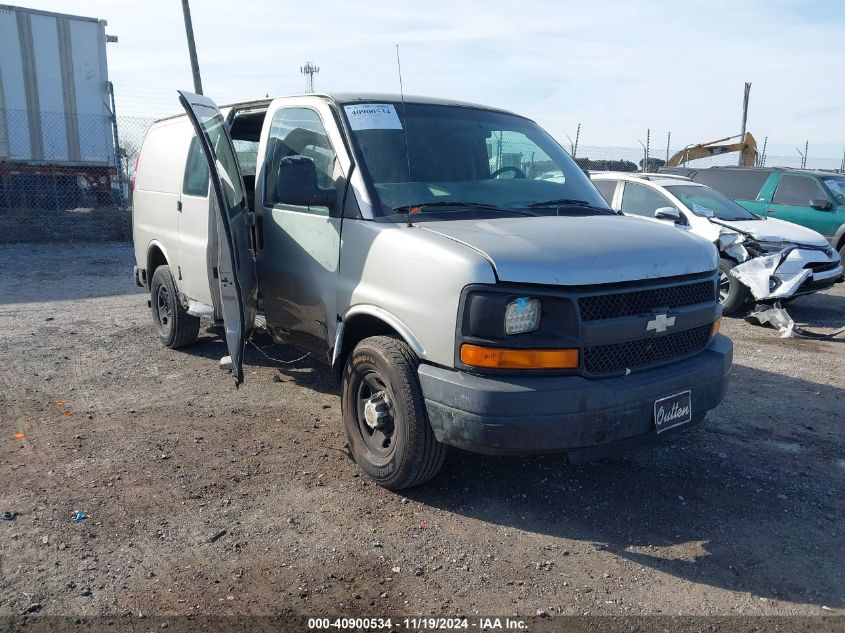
[[522, 315]]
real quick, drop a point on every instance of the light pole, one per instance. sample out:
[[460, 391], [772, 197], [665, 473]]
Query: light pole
[[745, 96], [192, 47]]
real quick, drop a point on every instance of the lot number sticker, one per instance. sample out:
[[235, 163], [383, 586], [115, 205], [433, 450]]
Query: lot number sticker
[[372, 116]]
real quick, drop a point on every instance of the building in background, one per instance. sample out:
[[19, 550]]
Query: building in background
[[58, 135]]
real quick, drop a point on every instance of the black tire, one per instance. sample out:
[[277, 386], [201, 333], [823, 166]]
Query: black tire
[[732, 293], [174, 326], [400, 451]]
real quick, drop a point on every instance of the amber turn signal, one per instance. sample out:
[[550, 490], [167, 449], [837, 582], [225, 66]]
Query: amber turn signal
[[717, 324], [499, 358]]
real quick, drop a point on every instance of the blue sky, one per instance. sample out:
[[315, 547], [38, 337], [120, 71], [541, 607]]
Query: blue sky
[[618, 68]]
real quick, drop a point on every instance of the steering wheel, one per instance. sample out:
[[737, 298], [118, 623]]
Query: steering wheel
[[517, 172]]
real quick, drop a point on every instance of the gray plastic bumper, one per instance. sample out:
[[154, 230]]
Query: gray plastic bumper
[[587, 417]]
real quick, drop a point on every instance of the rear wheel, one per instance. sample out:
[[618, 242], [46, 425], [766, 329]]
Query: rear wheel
[[384, 415], [732, 293], [175, 327]]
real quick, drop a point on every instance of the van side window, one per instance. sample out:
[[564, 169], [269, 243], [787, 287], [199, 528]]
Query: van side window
[[797, 191], [298, 131], [195, 182], [641, 200]]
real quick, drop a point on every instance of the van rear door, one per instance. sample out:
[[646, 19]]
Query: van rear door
[[236, 258]]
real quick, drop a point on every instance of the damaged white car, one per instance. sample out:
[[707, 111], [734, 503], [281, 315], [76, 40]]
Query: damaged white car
[[761, 259]]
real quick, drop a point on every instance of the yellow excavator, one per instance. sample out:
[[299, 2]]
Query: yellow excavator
[[747, 149]]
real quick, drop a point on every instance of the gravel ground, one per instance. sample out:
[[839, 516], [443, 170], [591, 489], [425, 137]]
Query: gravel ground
[[203, 499]]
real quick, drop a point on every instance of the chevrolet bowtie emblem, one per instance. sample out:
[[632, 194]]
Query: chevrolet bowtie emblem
[[660, 323]]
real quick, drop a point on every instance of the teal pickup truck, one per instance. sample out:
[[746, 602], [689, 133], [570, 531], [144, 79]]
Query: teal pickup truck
[[815, 199]]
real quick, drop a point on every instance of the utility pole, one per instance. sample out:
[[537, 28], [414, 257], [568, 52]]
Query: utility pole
[[192, 47], [745, 96], [577, 136], [309, 70], [668, 141]]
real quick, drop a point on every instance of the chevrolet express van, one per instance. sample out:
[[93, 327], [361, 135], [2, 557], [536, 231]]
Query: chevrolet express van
[[454, 267]]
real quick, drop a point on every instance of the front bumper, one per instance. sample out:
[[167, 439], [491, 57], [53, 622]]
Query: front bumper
[[589, 418]]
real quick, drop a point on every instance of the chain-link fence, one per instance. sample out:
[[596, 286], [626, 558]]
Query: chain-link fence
[[66, 178], [73, 184], [626, 149]]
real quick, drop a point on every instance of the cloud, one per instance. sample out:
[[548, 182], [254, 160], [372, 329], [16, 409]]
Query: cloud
[[618, 68]]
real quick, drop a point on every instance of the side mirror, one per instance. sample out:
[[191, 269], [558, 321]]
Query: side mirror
[[296, 184], [821, 204], [668, 213]]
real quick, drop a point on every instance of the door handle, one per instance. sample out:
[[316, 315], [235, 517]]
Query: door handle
[[770, 211], [179, 206]]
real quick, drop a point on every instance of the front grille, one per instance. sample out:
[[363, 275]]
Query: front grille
[[612, 306], [603, 359]]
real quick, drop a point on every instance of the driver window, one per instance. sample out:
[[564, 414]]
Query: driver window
[[638, 199], [511, 154], [298, 131]]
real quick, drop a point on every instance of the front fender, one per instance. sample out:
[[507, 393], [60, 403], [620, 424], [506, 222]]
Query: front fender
[[382, 315]]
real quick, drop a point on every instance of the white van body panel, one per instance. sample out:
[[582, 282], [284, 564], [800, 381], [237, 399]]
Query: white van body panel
[[157, 184], [187, 238]]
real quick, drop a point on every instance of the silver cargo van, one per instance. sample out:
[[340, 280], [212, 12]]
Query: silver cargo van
[[460, 274]]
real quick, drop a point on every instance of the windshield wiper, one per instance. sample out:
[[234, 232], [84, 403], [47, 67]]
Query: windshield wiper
[[459, 204], [569, 202]]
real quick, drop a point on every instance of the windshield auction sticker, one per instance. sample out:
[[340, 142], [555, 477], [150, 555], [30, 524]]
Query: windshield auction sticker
[[372, 116]]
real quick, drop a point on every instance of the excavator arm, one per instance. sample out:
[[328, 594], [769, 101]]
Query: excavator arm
[[747, 151]]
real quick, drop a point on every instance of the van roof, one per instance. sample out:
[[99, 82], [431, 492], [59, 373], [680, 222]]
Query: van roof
[[369, 97], [343, 98]]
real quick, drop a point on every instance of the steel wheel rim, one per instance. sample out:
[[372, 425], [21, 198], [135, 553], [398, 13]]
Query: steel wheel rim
[[380, 442], [164, 309], [724, 286]]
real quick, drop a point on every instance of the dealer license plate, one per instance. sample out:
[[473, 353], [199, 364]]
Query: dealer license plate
[[672, 411]]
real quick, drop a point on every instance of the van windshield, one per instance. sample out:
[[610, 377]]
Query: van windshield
[[709, 203], [462, 159]]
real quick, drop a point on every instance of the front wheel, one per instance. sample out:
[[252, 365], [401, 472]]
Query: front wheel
[[384, 415], [732, 293]]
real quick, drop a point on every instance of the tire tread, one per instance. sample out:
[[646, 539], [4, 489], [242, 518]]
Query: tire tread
[[186, 326], [428, 454]]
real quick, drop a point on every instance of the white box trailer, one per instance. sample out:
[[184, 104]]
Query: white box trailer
[[54, 89]]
